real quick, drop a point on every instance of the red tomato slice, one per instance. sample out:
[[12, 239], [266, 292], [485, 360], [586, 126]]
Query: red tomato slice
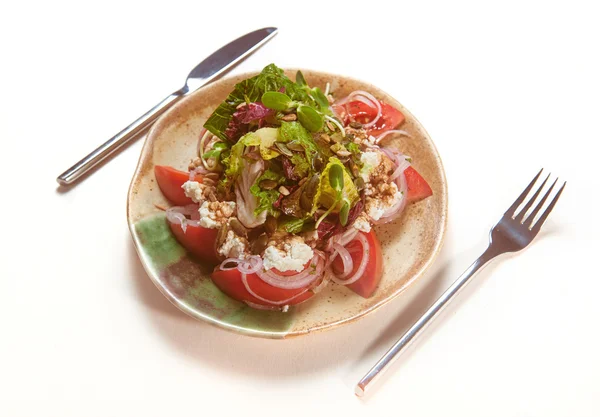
[[418, 189], [230, 282], [170, 181], [199, 241], [367, 284], [363, 113]]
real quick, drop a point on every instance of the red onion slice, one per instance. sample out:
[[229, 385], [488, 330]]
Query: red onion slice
[[275, 303], [177, 215], [348, 236], [389, 132], [361, 267], [250, 265], [299, 280], [358, 95], [346, 259], [235, 261]]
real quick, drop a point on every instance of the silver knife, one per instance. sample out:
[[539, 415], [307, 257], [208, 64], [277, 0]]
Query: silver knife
[[206, 71]]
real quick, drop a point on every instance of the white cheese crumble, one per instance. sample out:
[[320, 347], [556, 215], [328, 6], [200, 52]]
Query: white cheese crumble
[[233, 246], [370, 160], [375, 208], [362, 223], [193, 190], [215, 217], [293, 258]]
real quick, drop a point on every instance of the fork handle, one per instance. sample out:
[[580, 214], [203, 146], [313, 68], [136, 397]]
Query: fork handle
[[426, 319], [120, 139]]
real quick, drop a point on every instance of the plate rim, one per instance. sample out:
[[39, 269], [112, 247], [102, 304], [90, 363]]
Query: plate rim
[[278, 335]]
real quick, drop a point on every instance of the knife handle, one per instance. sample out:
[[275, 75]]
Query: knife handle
[[120, 139]]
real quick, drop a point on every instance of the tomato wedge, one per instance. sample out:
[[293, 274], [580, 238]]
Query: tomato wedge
[[230, 282], [170, 181], [363, 113], [367, 283], [199, 241], [418, 189]]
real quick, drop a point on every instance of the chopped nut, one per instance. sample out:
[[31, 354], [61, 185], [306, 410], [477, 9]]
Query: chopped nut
[[194, 163], [284, 190], [326, 137], [289, 117], [343, 153], [356, 125], [330, 126]]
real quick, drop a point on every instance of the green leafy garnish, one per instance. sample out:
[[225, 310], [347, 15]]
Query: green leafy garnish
[[327, 196], [354, 148], [266, 198], [271, 78], [293, 225], [336, 178], [344, 213], [276, 100], [301, 165], [264, 138], [300, 79], [294, 131], [216, 150], [310, 118]]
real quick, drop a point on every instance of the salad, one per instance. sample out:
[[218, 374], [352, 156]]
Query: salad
[[287, 185]]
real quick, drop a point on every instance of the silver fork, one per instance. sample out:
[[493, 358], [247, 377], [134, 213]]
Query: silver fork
[[514, 232]]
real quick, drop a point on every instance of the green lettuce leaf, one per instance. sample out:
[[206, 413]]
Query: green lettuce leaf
[[251, 90], [326, 196], [266, 198], [294, 131]]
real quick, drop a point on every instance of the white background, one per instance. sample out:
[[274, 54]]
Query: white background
[[503, 89]]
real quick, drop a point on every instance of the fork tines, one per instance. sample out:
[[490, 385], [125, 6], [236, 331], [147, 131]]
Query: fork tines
[[529, 219]]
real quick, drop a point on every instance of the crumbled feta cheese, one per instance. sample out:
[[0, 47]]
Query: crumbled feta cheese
[[233, 246], [293, 257], [213, 214], [362, 223], [370, 161], [194, 190], [376, 207]]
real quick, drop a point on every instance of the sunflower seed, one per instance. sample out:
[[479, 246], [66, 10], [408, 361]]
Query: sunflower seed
[[282, 147], [268, 184], [237, 227], [289, 117], [284, 190]]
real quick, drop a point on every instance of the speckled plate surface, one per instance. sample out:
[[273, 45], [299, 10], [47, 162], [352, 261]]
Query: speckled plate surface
[[409, 244]]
